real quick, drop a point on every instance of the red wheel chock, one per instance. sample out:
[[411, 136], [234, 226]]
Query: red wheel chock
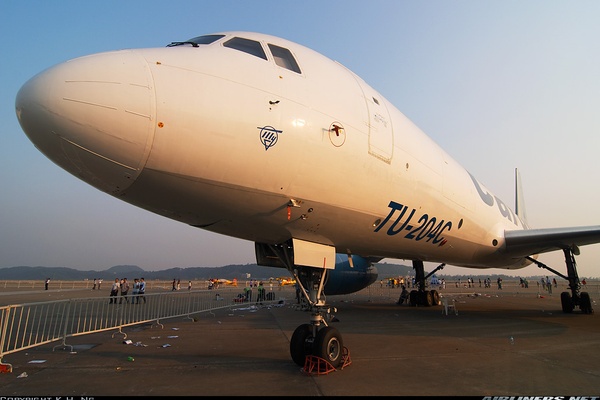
[[314, 365]]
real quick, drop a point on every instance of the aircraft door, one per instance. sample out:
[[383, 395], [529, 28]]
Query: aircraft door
[[381, 134]]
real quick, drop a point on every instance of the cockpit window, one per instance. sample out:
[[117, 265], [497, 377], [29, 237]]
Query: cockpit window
[[247, 46], [284, 58], [205, 39]]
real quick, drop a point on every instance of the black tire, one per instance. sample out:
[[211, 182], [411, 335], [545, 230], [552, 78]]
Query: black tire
[[413, 298], [301, 344], [435, 296], [427, 298], [585, 303], [567, 302], [329, 346]]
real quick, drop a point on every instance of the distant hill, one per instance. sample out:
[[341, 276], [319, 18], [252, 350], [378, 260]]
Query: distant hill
[[239, 272], [191, 273]]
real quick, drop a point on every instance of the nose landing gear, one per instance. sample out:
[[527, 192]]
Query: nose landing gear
[[316, 338]]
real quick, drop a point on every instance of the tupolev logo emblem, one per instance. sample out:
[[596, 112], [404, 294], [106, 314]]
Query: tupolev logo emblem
[[268, 136]]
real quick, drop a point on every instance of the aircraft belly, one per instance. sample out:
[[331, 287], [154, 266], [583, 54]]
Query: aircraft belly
[[212, 205], [265, 218]]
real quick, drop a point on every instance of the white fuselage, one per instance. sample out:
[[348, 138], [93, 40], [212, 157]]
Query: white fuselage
[[230, 142]]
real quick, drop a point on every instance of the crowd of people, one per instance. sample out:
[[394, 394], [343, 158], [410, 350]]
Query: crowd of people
[[546, 283], [262, 294], [121, 286]]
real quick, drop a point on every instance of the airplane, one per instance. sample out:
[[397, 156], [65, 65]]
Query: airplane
[[256, 137], [285, 281]]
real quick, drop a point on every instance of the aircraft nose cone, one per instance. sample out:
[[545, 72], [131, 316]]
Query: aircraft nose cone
[[93, 116]]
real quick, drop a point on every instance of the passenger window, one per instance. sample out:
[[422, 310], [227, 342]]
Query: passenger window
[[284, 58], [247, 46]]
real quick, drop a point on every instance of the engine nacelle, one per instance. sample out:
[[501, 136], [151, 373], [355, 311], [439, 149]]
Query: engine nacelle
[[350, 277], [351, 273]]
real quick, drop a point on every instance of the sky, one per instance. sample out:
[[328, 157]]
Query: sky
[[499, 84]]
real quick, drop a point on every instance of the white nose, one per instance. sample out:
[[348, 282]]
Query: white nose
[[93, 116]]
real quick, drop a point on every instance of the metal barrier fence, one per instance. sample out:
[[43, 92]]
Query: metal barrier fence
[[28, 325], [104, 285]]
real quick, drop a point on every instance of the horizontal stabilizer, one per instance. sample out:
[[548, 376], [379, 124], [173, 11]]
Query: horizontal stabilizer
[[534, 241]]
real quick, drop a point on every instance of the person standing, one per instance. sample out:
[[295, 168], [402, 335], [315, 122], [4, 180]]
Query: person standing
[[124, 290], [261, 293], [142, 290], [114, 291], [189, 285], [248, 292], [135, 291], [47, 283]]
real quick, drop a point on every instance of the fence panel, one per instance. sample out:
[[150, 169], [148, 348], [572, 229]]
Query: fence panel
[[33, 324]]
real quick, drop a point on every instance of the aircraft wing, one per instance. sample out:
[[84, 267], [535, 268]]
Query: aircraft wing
[[534, 241]]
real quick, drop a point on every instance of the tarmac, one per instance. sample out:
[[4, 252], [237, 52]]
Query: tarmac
[[509, 342]]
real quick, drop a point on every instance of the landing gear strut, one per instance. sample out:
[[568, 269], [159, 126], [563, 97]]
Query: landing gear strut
[[316, 338], [575, 297], [420, 296]]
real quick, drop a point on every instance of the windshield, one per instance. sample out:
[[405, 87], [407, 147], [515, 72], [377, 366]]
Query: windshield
[[247, 46], [205, 39]]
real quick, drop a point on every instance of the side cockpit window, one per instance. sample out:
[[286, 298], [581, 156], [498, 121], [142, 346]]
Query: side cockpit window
[[205, 39], [247, 46], [284, 58]]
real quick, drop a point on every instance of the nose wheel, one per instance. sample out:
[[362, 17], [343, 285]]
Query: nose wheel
[[326, 344], [301, 344]]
